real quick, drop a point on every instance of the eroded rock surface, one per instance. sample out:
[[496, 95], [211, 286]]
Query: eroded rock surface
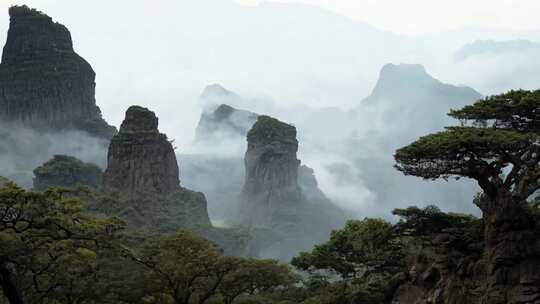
[[44, 84], [460, 263], [142, 177], [140, 159], [280, 201], [271, 171]]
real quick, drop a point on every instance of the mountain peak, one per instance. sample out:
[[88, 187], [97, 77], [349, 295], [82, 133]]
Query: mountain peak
[[140, 159], [139, 119], [25, 11], [216, 90], [46, 85], [33, 34], [397, 78], [399, 72]]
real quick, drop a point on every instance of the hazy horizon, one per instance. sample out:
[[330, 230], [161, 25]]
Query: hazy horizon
[[287, 59]]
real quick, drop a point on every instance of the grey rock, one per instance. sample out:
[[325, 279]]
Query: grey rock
[[140, 159], [44, 84], [271, 171]]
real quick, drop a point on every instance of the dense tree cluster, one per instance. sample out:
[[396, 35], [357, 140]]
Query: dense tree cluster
[[52, 251]]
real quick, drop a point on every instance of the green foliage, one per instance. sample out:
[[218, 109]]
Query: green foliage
[[66, 171], [504, 136], [430, 220], [458, 151], [187, 268], [254, 276], [48, 246], [516, 110], [65, 162], [155, 214], [362, 248], [268, 129]]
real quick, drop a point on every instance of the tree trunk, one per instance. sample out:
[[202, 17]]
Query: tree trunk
[[513, 253], [8, 286]]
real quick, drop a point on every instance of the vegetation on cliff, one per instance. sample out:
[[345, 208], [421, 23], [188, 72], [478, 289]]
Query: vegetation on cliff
[[501, 152], [66, 171], [268, 129]]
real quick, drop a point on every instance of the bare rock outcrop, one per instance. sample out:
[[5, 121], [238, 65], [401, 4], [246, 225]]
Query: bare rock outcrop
[[142, 176], [140, 159], [271, 171], [44, 84], [280, 200], [450, 262]]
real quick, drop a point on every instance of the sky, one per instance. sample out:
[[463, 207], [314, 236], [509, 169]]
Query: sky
[[289, 60], [428, 16]]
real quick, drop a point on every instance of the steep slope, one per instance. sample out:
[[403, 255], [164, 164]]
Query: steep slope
[[141, 184], [271, 171], [406, 103], [44, 84], [140, 158], [273, 203], [407, 91], [143, 172]]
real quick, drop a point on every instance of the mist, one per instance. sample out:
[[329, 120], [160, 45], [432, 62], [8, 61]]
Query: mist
[[23, 149], [301, 64]]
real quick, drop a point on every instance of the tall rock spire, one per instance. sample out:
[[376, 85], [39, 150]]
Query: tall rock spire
[[43, 82], [140, 158], [271, 171]]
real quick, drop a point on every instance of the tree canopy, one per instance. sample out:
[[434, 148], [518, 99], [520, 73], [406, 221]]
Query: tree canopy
[[360, 249], [48, 245], [500, 150]]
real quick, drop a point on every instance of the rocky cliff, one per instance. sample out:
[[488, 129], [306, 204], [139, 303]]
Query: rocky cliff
[[280, 199], [43, 83], [447, 262], [141, 159], [66, 171], [407, 90], [271, 171], [142, 179]]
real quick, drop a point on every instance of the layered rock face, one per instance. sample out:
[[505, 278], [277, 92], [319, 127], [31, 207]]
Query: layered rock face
[[281, 197], [142, 175], [43, 83], [141, 159], [271, 171], [66, 171]]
